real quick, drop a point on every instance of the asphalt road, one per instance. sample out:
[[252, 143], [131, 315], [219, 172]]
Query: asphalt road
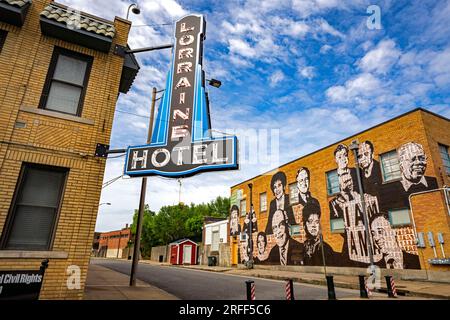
[[189, 284]]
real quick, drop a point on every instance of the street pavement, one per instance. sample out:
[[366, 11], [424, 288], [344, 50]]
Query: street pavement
[[191, 284]]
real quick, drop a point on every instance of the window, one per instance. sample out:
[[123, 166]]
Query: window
[[66, 83], [243, 207], [332, 182], [35, 208], [263, 202], [295, 230], [3, 34], [293, 193], [337, 225], [215, 241], [445, 157], [399, 217], [390, 166]]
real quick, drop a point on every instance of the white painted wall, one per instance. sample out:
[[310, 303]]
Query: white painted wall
[[220, 226]]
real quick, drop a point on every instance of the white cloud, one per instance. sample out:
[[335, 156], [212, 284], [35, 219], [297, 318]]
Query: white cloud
[[364, 85], [325, 48], [440, 67], [241, 47], [308, 72], [276, 78], [381, 58]]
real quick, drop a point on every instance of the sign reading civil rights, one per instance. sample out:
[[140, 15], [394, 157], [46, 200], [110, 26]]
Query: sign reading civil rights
[[182, 143], [21, 285]]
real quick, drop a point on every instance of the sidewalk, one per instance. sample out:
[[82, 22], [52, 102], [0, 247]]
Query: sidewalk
[[105, 284], [425, 289]]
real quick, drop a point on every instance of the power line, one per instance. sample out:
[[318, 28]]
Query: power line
[[152, 25]]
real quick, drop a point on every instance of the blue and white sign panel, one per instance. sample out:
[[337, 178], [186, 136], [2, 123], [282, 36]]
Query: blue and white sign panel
[[182, 143]]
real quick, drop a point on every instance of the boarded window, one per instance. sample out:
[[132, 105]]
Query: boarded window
[[390, 166], [399, 217], [263, 201]]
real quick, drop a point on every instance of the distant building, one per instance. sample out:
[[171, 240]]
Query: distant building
[[215, 242], [113, 244]]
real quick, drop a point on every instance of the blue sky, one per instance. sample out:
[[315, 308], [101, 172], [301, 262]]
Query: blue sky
[[309, 68]]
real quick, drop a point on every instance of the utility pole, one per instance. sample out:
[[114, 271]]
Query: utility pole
[[354, 146], [137, 239], [250, 225]]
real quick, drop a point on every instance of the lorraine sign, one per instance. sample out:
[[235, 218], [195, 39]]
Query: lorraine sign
[[182, 144]]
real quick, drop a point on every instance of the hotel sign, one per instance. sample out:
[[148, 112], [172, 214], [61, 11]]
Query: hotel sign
[[181, 142]]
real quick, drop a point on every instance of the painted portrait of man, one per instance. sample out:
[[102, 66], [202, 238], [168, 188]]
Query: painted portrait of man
[[247, 222], [235, 227], [286, 251], [385, 238], [280, 201], [370, 168], [413, 164], [303, 186], [348, 207]]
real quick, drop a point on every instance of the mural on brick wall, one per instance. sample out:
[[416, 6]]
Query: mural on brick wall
[[393, 248]]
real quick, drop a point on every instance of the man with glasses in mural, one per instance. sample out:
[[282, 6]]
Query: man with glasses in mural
[[286, 251], [303, 184], [281, 201], [385, 239], [413, 164]]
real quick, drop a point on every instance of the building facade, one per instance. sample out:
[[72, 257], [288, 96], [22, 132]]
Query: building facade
[[60, 80], [405, 168], [114, 244], [216, 243]]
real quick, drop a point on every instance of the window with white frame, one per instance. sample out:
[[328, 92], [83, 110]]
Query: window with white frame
[[399, 217], [295, 230], [263, 202], [293, 193], [445, 158], [390, 166]]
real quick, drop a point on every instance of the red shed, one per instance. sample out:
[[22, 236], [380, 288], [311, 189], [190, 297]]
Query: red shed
[[183, 251]]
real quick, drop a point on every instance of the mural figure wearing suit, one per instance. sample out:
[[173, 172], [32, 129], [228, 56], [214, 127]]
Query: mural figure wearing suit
[[413, 164], [370, 169], [385, 239], [287, 251], [281, 201], [303, 183], [312, 244], [247, 223]]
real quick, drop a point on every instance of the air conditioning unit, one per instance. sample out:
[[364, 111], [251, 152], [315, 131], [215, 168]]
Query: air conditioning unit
[[243, 236]]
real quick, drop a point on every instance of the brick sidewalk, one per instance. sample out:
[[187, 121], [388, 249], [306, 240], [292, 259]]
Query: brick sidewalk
[[106, 284]]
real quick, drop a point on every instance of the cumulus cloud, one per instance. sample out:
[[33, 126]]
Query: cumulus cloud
[[381, 58], [307, 72], [276, 78]]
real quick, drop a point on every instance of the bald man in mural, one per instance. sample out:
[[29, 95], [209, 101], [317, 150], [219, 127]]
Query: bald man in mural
[[385, 238], [286, 251], [413, 164]]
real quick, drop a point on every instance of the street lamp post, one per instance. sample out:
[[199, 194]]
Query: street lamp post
[[250, 228], [135, 10], [354, 146]]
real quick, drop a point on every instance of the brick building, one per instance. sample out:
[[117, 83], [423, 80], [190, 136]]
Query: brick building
[[405, 167], [59, 84], [112, 244]]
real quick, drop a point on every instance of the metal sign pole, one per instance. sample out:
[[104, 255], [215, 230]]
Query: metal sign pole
[[137, 239]]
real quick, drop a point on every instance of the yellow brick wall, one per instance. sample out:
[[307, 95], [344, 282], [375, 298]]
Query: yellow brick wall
[[55, 141], [418, 127]]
